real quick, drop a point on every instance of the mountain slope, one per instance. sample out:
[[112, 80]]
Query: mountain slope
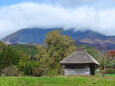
[[37, 36]]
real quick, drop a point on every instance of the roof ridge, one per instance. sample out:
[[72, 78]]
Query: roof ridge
[[79, 57]]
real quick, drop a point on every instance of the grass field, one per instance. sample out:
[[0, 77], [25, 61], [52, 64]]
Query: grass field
[[112, 75], [58, 81]]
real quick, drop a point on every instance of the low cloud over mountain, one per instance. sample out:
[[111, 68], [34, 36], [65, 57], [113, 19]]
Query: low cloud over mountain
[[24, 15]]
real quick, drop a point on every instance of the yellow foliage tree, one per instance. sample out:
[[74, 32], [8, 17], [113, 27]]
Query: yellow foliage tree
[[56, 47]]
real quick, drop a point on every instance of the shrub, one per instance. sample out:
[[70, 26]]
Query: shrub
[[108, 71], [10, 71], [113, 66], [37, 71], [27, 66]]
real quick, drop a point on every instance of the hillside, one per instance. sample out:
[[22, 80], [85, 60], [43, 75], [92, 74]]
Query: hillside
[[37, 36], [27, 49]]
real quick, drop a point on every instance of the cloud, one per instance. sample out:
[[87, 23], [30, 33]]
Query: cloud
[[76, 3], [25, 15]]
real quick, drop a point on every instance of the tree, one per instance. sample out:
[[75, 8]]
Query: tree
[[8, 57], [28, 67], [23, 59], [26, 64], [57, 47], [105, 63]]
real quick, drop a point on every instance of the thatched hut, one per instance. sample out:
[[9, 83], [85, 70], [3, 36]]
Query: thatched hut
[[79, 63]]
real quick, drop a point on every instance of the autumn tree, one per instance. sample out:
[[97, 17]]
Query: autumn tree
[[56, 47]]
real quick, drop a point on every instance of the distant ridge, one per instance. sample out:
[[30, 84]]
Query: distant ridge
[[37, 36]]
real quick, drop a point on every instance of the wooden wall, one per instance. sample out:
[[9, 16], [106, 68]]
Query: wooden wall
[[81, 69]]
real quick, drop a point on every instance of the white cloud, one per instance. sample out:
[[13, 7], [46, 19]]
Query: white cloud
[[24, 15], [75, 3]]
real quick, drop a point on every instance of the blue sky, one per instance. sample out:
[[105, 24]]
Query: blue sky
[[96, 15], [10, 2], [64, 3]]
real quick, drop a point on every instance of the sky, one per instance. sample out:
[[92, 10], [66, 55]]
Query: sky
[[95, 15]]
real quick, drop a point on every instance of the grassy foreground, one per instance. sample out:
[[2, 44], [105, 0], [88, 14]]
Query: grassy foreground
[[58, 81]]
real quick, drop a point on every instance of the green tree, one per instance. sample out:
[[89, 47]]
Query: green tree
[[28, 67], [25, 64], [8, 57], [105, 63], [23, 59], [57, 47]]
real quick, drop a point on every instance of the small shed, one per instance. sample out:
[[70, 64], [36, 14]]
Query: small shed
[[79, 63]]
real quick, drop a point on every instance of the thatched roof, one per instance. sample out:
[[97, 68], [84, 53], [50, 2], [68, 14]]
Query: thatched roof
[[80, 56]]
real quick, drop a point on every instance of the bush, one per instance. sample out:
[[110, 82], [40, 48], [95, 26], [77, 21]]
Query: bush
[[38, 71], [10, 71], [113, 66], [27, 66], [108, 71]]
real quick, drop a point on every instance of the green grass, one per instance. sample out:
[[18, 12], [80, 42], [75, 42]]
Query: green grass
[[112, 75], [58, 81]]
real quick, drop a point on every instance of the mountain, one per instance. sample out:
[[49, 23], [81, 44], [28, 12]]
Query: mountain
[[27, 36], [37, 36]]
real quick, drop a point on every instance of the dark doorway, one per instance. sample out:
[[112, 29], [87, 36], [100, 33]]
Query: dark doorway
[[92, 69]]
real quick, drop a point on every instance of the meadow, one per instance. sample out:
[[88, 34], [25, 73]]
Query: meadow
[[58, 81]]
